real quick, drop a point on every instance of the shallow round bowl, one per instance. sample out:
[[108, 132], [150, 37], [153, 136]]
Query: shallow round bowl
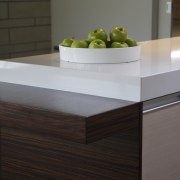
[[101, 55]]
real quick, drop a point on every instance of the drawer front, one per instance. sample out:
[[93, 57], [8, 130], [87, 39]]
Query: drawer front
[[161, 144]]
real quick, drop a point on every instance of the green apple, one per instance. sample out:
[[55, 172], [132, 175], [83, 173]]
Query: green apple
[[131, 42], [97, 34], [97, 43], [67, 42], [119, 45], [79, 44], [88, 42], [118, 34]]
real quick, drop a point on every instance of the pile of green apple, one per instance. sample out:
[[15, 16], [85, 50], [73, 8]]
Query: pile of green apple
[[118, 38]]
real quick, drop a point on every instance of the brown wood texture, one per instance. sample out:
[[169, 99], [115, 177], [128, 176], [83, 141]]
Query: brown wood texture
[[105, 124], [176, 2], [69, 126], [60, 101], [76, 117], [44, 135], [27, 155], [62, 125], [176, 9]]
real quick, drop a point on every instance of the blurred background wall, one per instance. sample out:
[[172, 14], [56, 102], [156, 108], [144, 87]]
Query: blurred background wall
[[32, 27], [25, 28], [75, 18]]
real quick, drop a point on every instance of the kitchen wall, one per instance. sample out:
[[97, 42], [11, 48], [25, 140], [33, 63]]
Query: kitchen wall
[[25, 25], [25, 28], [75, 18]]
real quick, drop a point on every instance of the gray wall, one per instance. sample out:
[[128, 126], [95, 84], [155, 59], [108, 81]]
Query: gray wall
[[25, 28], [75, 18]]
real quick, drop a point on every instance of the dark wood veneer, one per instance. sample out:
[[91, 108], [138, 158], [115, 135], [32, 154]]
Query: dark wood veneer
[[48, 134], [68, 126], [64, 126], [102, 125], [85, 118], [28, 155]]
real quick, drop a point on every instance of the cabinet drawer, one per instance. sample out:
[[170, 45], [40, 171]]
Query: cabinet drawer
[[161, 143]]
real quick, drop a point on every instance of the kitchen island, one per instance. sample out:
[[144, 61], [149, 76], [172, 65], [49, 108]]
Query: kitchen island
[[62, 120]]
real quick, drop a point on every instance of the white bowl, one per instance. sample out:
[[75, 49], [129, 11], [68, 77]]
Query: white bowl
[[101, 55]]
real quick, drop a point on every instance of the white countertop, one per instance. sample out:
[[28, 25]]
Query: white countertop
[[157, 73]]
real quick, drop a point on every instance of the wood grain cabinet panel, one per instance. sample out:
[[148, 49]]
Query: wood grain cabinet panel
[[28, 155], [55, 135], [161, 144]]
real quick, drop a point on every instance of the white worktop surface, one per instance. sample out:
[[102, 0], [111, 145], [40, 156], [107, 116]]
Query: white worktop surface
[[157, 73]]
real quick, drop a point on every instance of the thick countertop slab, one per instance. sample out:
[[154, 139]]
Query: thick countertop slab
[[156, 74]]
